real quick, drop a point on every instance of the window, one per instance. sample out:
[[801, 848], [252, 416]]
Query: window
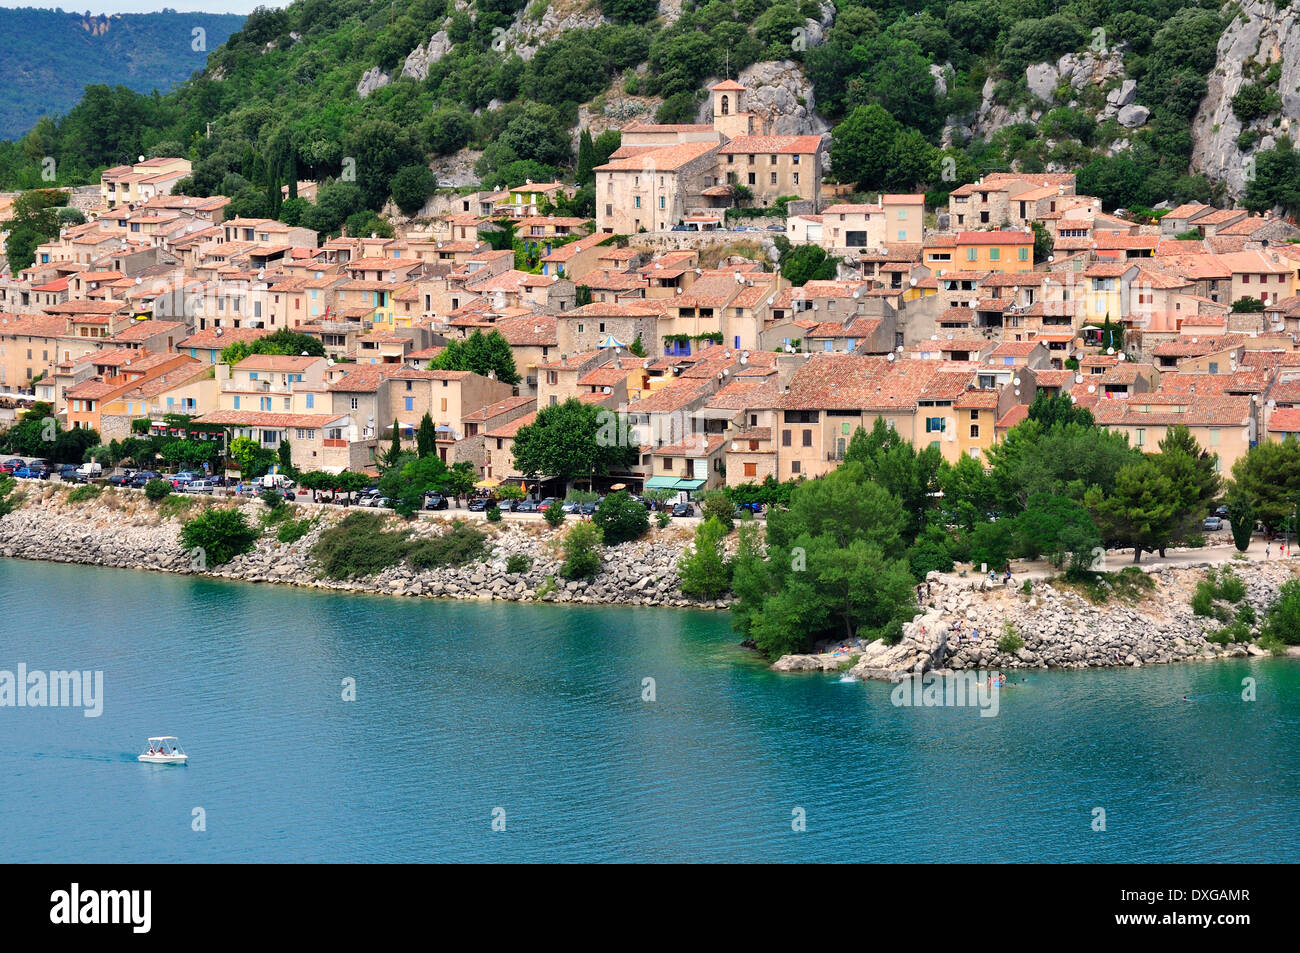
[[444, 405], [807, 438], [753, 179], [1214, 367], [796, 178], [355, 403], [311, 401], [661, 202], [773, 160], [668, 463], [637, 202], [974, 431], [1141, 437], [1024, 254], [995, 254], [580, 329], [971, 253], [785, 436], [410, 403], [794, 466], [609, 210], [935, 424], [751, 469], [236, 402], [1214, 437]]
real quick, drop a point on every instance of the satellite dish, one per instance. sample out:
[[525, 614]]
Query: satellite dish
[[141, 159], [607, 390], [891, 356], [1122, 356], [1092, 388], [735, 446], [305, 354], [1110, 350], [1016, 381], [808, 355], [330, 362], [1017, 391], [1078, 378], [139, 281]]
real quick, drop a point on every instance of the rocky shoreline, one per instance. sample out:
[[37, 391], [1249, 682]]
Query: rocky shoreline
[[123, 530], [1056, 627]]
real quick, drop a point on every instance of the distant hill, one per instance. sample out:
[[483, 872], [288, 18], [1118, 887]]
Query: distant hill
[[50, 56]]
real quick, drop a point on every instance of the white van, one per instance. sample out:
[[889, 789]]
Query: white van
[[90, 470]]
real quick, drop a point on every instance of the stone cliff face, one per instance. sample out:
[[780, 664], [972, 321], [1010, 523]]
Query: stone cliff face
[[1258, 37]]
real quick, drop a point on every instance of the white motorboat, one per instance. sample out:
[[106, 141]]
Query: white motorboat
[[164, 750]]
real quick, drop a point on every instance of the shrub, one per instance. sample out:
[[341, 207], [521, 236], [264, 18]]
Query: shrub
[[156, 490], [518, 563], [554, 515], [663, 518], [1246, 614], [621, 518], [291, 531], [1203, 599], [717, 505], [1282, 621], [274, 499], [357, 546], [702, 570], [460, 543], [8, 499], [1231, 587], [220, 534], [1010, 642], [581, 551], [82, 493], [494, 514]]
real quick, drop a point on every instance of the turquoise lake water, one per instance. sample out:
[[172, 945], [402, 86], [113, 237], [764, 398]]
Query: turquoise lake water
[[535, 712]]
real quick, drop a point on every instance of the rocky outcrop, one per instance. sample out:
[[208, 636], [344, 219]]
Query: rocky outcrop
[[781, 98], [371, 80], [122, 530], [425, 55], [1259, 35], [961, 627]]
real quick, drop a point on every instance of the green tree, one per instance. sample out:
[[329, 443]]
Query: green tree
[[621, 519], [486, 354], [834, 567], [703, 572], [426, 437], [1194, 475], [575, 440], [581, 551], [1268, 477], [1241, 516], [220, 535], [801, 264], [1140, 512], [1052, 409], [412, 186], [862, 147], [1282, 622]]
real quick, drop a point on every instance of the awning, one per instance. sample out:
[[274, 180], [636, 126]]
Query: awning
[[673, 483], [611, 341], [333, 471], [491, 483]]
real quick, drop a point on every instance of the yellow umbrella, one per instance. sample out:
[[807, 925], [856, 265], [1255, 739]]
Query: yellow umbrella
[[619, 486], [489, 484]]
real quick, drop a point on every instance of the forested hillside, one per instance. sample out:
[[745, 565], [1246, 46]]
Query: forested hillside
[[50, 56], [920, 94]]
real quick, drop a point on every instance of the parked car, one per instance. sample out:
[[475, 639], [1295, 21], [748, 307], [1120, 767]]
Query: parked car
[[681, 228], [184, 477], [9, 466], [435, 501], [70, 473], [541, 507], [143, 477], [1221, 512], [569, 506], [479, 506], [1212, 524], [92, 469], [776, 228], [527, 506], [31, 473], [684, 509], [119, 479], [199, 486]]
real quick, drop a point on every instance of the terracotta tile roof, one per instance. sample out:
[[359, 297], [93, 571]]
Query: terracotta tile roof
[[1167, 410], [511, 428], [670, 398], [499, 408], [977, 400], [695, 445], [665, 159], [1018, 413], [1284, 420], [255, 418]]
